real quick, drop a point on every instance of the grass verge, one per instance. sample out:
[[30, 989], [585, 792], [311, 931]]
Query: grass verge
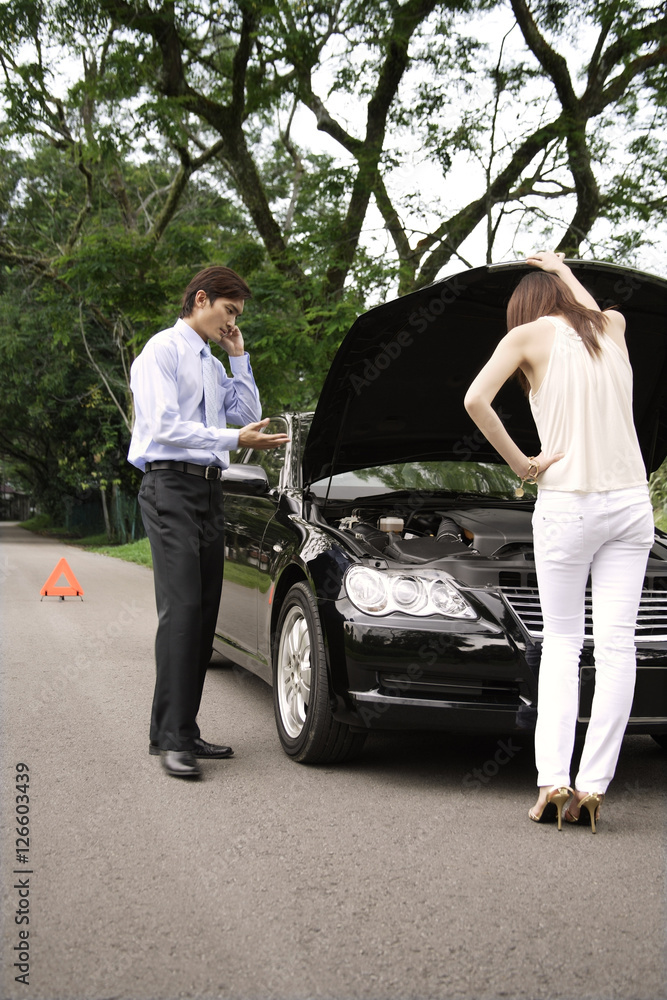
[[40, 524], [137, 552]]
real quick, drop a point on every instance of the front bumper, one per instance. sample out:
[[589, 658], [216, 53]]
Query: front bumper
[[461, 675]]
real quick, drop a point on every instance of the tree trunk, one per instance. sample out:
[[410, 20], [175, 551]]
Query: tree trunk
[[105, 511]]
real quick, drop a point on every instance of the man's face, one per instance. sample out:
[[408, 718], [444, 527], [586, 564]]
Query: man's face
[[214, 321]]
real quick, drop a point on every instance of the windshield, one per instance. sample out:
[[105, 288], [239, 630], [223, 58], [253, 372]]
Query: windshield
[[480, 478]]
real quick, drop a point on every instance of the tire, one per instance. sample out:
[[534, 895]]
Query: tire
[[308, 732], [660, 739]]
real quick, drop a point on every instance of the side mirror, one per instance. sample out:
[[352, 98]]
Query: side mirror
[[250, 479]]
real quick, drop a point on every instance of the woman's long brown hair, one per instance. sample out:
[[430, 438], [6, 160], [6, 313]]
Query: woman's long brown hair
[[541, 293]]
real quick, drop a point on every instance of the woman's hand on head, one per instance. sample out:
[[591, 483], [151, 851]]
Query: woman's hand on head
[[547, 260]]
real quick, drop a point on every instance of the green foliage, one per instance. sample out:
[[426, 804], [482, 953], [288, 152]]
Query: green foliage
[[57, 424], [38, 523], [135, 552], [144, 141], [472, 477], [658, 493]]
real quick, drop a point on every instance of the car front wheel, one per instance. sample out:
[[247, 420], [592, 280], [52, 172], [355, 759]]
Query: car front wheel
[[306, 727]]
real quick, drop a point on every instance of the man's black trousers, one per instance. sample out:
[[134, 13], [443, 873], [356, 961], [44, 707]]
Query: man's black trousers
[[183, 518]]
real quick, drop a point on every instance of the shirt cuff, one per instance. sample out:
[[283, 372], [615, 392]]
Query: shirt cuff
[[240, 365], [232, 439]]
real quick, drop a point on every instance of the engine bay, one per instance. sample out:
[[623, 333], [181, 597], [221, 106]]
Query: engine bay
[[479, 545], [414, 536]]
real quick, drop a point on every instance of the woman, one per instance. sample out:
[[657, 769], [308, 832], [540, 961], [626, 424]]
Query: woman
[[592, 516]]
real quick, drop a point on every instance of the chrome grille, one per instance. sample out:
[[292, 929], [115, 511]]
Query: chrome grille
[[524, 603]]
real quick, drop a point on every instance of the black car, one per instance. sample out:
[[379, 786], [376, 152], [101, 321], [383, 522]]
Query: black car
[[379, 570]]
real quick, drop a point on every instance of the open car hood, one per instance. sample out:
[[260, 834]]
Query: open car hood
[[394, 392]]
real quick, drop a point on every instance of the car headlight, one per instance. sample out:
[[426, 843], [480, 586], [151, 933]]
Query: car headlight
[[367, 590], [409, 594], [378, 592], [449, 601]]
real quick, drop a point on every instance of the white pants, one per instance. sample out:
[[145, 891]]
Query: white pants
[[609, 535]]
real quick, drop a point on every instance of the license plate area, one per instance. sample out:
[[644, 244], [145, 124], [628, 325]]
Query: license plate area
[[650, 699]]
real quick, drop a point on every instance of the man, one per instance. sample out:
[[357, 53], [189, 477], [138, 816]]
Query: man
[[183, 399]]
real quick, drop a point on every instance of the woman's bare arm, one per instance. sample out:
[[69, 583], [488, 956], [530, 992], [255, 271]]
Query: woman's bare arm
[[509, 355], [555, 263]]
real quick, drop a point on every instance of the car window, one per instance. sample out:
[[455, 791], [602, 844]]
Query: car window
[[271, 461], [483, 478]]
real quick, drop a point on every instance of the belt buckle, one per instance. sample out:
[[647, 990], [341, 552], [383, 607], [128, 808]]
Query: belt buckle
[[212, 472]]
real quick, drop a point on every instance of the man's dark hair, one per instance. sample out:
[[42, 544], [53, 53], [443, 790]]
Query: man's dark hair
[[218, 282]]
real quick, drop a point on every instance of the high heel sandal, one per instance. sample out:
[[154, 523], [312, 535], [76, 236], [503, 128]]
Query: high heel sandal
[[591, 803], [553, 805]]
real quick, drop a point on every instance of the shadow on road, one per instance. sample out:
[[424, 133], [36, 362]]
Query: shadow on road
[[462, 762]]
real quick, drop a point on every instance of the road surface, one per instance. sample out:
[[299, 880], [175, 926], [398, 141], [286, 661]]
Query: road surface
[[411, 873]]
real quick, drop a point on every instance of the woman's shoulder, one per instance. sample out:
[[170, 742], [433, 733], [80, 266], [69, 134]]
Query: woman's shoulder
[[538, 326], [534, 341], [614, 328], [614, 320]]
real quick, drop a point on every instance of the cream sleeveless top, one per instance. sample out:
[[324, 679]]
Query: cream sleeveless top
[[584, 408]]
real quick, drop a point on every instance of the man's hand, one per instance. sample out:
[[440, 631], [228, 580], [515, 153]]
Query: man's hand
[[232, 342], [251, 436]]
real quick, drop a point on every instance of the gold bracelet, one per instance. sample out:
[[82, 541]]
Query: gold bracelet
[[531, 478]]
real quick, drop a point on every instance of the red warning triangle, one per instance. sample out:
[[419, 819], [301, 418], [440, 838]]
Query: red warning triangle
[[51, 590]]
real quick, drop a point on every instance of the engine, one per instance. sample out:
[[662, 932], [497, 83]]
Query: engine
[[416, 537]]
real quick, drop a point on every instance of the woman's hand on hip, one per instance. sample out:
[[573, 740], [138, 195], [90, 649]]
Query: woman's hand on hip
[[544, 461]]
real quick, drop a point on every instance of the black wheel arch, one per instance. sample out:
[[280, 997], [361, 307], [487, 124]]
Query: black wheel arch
[[324, 737], [297, 572]]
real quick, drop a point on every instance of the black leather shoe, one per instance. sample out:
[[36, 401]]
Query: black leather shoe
[[211, 751], [180, 763], [203, 750]]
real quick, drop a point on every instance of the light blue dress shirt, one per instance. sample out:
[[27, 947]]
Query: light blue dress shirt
[[167, 385]]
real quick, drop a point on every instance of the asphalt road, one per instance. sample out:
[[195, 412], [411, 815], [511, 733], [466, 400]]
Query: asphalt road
[[400, 876]]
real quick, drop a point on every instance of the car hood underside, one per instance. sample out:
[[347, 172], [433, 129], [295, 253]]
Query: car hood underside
[[395, 390]]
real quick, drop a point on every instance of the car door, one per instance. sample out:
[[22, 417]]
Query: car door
[[246, 572]]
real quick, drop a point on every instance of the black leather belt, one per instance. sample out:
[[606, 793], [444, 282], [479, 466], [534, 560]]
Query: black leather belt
[[207, 471]]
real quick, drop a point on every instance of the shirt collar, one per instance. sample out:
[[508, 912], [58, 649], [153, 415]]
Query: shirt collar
[[190, 335]]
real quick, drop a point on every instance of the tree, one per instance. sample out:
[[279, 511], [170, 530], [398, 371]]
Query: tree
[[187, 131], [222, 86], [68, 336], [58, 428]]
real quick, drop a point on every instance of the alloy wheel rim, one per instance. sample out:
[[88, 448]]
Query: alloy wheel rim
[[294, 672]]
